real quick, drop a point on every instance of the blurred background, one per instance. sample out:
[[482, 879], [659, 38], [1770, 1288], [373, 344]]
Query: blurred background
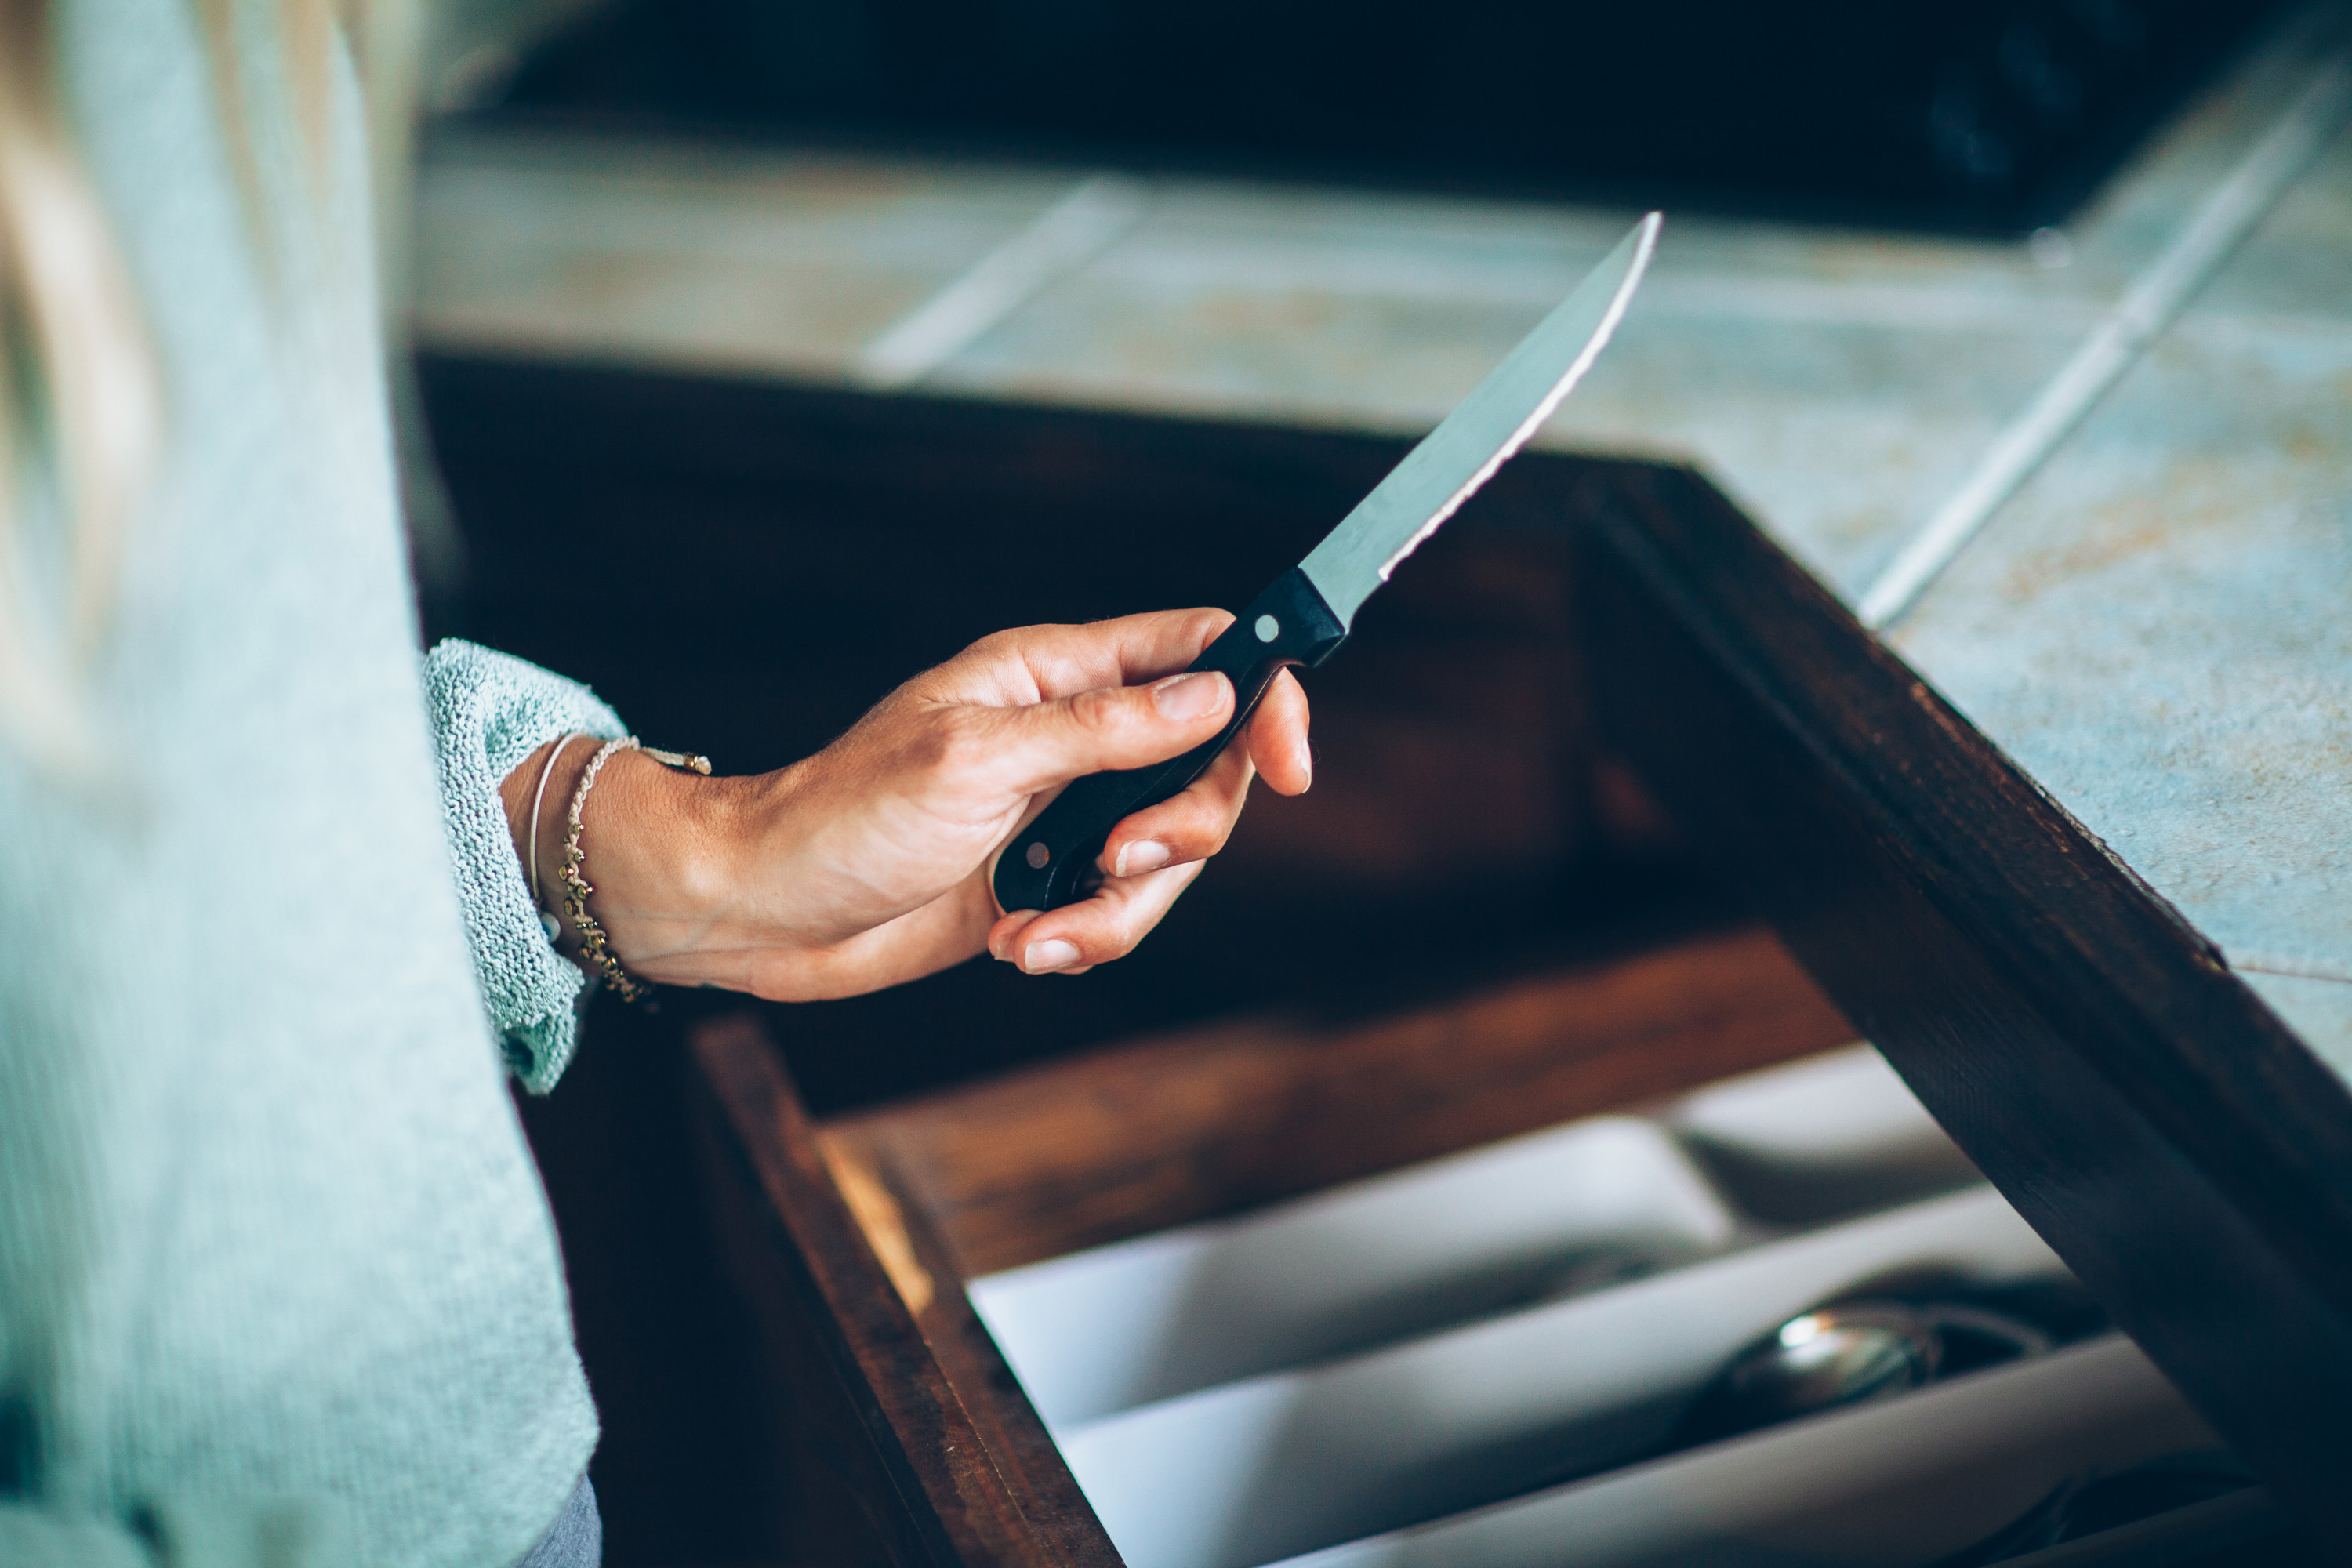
[[1987, 117]]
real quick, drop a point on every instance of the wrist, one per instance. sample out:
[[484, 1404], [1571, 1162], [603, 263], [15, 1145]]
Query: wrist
[[536, 794], [659, 847]]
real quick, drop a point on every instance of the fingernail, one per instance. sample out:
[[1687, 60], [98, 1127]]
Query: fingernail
[[1188, 696], [1045, 957], [1143, 855], [1306, 762], [1000, 945]]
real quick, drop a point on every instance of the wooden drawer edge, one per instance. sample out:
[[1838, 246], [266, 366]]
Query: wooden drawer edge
[[956, 1504]]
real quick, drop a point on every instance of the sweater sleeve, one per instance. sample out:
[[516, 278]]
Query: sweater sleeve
[[489, 713], [211, 1533]]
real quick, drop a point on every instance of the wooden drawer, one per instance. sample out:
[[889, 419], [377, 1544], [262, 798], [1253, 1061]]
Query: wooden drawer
[[1613, 803], [1225, 1398]]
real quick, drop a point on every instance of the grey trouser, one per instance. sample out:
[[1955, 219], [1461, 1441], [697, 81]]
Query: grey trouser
[[576, 1539]]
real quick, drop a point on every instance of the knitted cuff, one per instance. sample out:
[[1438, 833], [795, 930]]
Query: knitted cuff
[[490, 711]]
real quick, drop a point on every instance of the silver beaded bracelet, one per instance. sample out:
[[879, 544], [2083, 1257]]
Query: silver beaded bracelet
[[576, 886]]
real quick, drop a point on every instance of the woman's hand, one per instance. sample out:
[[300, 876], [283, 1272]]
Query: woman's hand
[[868, 864]]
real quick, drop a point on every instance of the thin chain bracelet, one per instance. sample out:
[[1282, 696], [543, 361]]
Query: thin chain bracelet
[[576, 890]]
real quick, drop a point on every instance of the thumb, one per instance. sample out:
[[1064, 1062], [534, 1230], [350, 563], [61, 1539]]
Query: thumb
[[1049, 743]]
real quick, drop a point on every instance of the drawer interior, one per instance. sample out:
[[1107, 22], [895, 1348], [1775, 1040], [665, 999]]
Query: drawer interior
[[1568, 1213], [1512, 1324], [1472, 1358]]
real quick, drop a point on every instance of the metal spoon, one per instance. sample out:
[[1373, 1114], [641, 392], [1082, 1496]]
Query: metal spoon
[[1833, 1355]]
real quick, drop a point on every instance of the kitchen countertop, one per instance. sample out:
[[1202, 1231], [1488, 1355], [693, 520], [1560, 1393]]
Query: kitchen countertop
[[2152, 626]]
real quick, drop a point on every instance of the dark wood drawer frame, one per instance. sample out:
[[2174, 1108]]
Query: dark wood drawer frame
[[2139, 1104]]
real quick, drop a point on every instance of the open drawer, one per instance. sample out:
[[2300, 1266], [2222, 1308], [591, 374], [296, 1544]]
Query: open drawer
[[1614, 806], [1487, 1360]]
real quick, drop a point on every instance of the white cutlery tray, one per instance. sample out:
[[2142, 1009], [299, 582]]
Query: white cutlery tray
[[1473, 1361]]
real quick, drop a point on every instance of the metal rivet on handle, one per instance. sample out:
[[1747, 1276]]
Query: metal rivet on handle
[[1268, 628], [1037, 855]]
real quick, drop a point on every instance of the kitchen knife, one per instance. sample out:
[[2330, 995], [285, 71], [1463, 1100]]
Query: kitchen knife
[[1304, 618]]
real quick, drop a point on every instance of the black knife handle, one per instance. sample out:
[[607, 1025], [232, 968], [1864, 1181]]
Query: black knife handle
[[1050, 862]]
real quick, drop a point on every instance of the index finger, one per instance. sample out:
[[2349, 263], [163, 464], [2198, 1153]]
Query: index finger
[[1040, 664]]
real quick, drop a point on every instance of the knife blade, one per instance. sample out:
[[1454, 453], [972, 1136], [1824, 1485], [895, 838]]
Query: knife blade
[[1305, 614]]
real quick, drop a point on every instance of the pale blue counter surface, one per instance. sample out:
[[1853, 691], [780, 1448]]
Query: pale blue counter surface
[[2154, 627]]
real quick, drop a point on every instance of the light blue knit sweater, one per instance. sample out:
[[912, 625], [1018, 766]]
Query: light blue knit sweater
[[489, 713], [278, 1280]]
